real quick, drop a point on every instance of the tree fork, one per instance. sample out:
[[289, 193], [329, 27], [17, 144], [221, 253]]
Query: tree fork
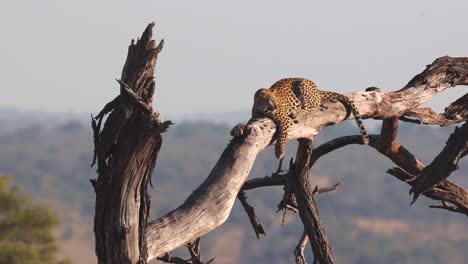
[[210, 203], [126, 151]]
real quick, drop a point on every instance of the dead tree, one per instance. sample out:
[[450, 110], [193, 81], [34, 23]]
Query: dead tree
[[126, 151], [127, 146]]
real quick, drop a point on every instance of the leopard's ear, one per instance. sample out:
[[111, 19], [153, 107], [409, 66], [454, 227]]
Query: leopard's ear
[[258, 93]]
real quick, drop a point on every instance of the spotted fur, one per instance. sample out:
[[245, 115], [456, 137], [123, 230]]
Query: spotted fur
[[287, 97]]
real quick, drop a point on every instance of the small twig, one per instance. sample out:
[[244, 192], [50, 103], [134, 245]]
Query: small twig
[[170, 259], [448, 207], [257, 226], [327, 189], [273, 180], [135, 97], [194, 250], [96, 129], [299, 250], [288, 202], [109, 107], [401, 175], [195, 255], [409, 120]]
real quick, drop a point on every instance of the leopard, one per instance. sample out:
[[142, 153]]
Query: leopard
[[288, 97]]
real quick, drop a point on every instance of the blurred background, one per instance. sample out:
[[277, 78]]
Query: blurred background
[[59, 60]]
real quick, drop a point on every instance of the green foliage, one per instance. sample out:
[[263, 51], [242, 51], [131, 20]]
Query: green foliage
[[25, 228]]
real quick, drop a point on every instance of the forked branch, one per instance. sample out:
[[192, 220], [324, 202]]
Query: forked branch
[[212, 201], [127, 145], [444, 164]]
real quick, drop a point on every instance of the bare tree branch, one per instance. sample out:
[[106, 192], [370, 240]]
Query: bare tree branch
[[318, 191], [257, 226], [299, 250], [444, 164], [450, 208], [428, 117], [195, 255], [170, 259], [334, 145], [445, 192], [458, 109], [212, 201], [127, 146], [274, 180]]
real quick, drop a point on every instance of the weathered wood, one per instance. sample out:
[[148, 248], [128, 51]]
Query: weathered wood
[[428, 117], [126, 150], [388, 134], [299, 250], [307, 206], [458, 109], [254, 221], [210, 204], [446, 191], [444, 164]]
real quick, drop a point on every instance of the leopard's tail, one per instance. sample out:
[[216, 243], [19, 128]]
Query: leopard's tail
[[349, 104]]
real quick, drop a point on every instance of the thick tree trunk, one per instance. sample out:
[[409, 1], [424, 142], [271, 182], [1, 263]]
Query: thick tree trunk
[[126, 150], [308, 210]]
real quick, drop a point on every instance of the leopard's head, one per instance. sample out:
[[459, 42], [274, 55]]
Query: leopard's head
[[264, 103]]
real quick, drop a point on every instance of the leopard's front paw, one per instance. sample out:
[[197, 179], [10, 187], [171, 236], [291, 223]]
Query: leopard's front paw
[[238, 130]]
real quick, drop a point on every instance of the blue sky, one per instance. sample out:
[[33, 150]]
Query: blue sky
[[63, 55]]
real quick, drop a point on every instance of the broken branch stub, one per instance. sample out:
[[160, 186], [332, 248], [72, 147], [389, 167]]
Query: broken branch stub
[[126, 151]]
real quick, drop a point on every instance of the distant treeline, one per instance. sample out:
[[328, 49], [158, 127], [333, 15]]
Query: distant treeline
[[368, 220]]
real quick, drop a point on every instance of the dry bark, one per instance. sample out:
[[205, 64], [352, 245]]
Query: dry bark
[[444, 164], [298, 197], [428, 117], [454, 197], [126, 151], [299, 250], [210, 204], [458, 109], [306, 204], [254, 221]]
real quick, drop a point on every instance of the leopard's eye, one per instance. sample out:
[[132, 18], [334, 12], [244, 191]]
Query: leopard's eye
[[264, 108]]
